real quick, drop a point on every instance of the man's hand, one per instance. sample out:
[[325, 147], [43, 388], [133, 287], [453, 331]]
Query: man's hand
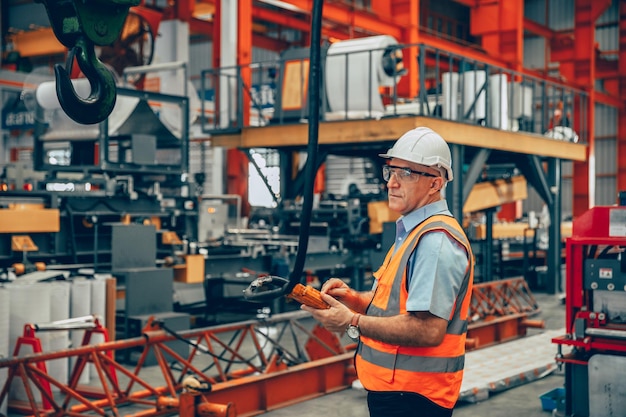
[[336, 318], [339, 290], [336, 288]]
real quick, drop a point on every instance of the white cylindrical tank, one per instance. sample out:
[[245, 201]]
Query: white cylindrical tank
[[450, 93], [473, 94]]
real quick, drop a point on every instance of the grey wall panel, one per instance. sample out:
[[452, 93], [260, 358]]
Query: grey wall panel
[[200, 57], [535, 10], [606, 161], [608, 40], [534, 53], [567, 196], [533, 202], [261, 55], [606, 191], [606, 155], [611, 15], [561, 14], [567, 168]]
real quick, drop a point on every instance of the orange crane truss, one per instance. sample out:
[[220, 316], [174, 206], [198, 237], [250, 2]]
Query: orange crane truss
[[252, 366]]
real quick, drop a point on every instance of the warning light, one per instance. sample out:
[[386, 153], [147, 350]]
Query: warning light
[[4, 187], [211, 210]]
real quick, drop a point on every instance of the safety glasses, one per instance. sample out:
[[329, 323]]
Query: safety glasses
[[403, 174]]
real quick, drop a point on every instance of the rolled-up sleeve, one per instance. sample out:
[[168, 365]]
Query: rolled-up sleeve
[[435, 272]]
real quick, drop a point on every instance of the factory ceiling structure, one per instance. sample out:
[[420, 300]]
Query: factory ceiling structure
[[497, 28], [438, 52], [494, 35]]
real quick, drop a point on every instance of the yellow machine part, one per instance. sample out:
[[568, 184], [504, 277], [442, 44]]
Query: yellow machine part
[[495, 193], [23, 243], [29, 218]]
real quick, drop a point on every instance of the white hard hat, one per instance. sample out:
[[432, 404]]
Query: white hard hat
[[423, 146]]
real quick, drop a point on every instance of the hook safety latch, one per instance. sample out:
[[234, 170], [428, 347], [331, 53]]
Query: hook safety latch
[[79, 25]]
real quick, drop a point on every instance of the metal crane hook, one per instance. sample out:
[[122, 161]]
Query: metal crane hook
[[97, 107], [79, 25]]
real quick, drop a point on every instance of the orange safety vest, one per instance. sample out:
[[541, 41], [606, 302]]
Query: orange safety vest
[[434, 372]]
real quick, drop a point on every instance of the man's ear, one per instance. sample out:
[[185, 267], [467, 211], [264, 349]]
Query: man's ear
[[435, 184]]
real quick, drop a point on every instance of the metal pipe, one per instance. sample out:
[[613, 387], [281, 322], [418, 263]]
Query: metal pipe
[[84, 322], [155, 67], [610, 333], [144, 69]]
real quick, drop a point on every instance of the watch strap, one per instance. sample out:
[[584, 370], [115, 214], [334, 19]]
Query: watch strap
[[355, 320]]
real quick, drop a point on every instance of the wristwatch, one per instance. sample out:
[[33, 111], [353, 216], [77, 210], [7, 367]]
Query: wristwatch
[[353, 330]]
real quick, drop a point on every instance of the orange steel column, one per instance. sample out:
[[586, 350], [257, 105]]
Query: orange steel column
[[216, 58], [237, 173], [583, 73], [621, 126], [406, 14], [244, 52], [501, 25], [578, 65], [184, 9]]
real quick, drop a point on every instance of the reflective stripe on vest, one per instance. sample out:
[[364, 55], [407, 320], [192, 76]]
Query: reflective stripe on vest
[[411, 363], [398, 368]]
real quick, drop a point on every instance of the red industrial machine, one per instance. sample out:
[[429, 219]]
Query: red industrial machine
[[594, 349]]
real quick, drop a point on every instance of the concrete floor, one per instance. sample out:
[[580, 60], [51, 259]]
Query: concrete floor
[[522, 400]]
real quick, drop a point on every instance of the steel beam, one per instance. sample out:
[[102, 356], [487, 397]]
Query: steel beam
[[380, 132], [353, 18], [621, 115], [501, 25], [580, 67], [553, 283], [244, 51]]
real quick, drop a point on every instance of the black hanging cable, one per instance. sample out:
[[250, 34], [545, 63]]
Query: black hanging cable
[[311, 160], [267, 288]]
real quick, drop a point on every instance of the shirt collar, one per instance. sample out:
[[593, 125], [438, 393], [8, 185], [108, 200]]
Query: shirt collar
[[415, 217]]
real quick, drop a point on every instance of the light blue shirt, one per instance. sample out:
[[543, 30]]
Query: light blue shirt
[[436, 268]]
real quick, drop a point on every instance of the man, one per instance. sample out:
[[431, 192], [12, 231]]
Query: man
[[411, 326]]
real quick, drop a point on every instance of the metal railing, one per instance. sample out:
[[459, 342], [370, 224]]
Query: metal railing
[[450, 87]]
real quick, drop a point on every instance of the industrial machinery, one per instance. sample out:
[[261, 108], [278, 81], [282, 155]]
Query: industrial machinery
[[372, 62], [131, 168], [594, 349]]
